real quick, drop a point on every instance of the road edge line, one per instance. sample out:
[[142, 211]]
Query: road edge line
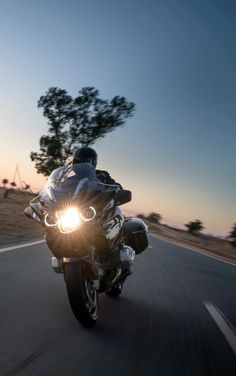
[[7, 249], [194, 250], [223, 324]]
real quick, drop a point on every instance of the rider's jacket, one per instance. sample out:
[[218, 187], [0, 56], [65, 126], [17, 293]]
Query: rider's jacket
[[105, 177]]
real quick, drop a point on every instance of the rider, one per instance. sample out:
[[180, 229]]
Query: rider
[[89, 155], [83, 155]]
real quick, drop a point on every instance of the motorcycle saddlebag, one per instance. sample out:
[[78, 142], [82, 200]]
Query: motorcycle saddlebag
[[135, 231]]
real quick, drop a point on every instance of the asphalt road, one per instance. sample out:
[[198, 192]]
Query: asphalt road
[[175, 317]]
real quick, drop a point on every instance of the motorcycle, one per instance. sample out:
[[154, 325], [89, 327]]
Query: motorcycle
[[93, 244]]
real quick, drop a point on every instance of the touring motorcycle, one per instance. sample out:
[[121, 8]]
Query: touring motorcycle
[[93, 244]]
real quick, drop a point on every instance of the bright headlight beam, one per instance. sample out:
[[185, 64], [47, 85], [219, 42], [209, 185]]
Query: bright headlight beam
[[68, 220]]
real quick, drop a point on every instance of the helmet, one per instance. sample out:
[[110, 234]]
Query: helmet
[[85, 154]]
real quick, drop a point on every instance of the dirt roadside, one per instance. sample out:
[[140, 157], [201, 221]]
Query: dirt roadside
[[15, 227], [209, 245]]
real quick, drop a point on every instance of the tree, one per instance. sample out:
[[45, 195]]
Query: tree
[[75, 122], [6, 193], [154, 218], [141, 216], [194, 227], [5, 182], [232, 235], [27, 187]]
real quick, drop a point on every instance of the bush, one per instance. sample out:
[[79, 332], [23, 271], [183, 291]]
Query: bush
[[195, 227], [232, 235], [154, 218]]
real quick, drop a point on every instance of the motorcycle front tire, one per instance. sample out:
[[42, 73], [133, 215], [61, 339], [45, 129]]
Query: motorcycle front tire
[[83, 296]]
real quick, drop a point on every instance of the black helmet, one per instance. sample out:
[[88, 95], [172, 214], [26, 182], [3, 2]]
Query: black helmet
[[85, 154]]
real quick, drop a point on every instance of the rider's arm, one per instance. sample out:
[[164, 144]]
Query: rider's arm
[[105, 177]]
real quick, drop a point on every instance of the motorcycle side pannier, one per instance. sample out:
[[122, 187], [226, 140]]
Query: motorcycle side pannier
[[136, 234]]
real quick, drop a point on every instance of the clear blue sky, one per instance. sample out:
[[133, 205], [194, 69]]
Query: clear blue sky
[[175, 59]]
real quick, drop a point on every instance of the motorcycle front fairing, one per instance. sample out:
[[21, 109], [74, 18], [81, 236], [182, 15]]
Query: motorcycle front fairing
[[77, 187]]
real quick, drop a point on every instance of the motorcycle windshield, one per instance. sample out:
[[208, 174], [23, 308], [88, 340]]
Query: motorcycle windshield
[[71, 181], [72, 174]]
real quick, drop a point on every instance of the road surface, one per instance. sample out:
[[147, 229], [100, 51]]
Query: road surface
[[175, 317]]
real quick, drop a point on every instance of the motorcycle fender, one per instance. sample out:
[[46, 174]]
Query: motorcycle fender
[[94, 269]]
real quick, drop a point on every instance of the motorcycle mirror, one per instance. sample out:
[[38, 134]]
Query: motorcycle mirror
[[123, 196]]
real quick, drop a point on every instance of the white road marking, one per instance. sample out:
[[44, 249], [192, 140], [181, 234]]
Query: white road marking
[[223, 324], [20, 246], [214, 257], [195, 250]]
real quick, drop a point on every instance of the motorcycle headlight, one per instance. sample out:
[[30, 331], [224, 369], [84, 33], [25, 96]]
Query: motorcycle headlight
[[68, 220], [88, 214]]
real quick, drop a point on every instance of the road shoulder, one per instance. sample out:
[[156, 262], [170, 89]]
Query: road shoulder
[[228, 260]]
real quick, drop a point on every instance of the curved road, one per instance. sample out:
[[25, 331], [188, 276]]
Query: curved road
[[175, 317]]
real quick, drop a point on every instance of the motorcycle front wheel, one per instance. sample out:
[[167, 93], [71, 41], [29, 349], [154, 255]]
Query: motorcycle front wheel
[[83, 296]]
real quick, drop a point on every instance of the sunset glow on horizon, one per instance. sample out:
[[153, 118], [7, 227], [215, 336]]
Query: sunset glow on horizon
[[177, 153]]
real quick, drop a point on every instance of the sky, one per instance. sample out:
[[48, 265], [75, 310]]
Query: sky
[[176, 59]]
